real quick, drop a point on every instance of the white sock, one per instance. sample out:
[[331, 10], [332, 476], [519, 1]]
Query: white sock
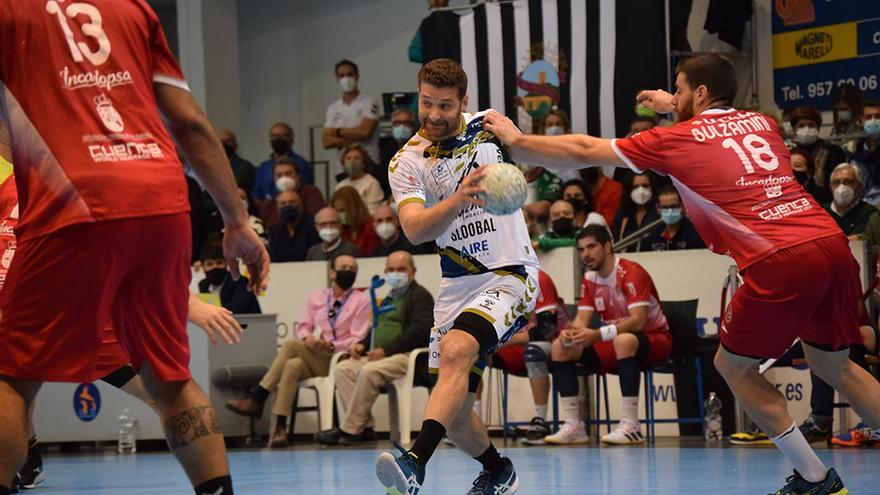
[[478, 408], [630, 409], [541, 411], [794, 446], [569, 410]]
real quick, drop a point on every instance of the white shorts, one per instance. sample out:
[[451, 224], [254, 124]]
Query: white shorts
[[505, 301]]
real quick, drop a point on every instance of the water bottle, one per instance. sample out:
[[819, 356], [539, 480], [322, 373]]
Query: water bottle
[[713, 418], [128, 426]]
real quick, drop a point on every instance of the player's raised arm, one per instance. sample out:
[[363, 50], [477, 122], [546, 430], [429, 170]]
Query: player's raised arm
[[561, 152]]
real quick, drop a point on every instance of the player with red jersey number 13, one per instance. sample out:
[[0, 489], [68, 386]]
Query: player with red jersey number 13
[[735, 178]]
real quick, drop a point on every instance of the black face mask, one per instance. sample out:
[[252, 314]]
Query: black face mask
[[216, 276], [563, 227], [577, 203], [289, 213], [280, 146], [800, 176], [345, 279], [229, 149], [590, 175]]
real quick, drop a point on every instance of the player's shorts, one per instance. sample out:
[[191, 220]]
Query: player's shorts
[[811, 291], [490, 306], [654, 348], [62, 288], [111, 357]]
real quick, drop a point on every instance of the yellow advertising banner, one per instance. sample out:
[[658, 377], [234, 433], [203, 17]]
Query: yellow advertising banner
[[815, 45]]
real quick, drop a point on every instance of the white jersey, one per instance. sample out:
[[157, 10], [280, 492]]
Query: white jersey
[[477, 241]]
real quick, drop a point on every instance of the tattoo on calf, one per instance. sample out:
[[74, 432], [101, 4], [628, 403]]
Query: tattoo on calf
[[189, 426]]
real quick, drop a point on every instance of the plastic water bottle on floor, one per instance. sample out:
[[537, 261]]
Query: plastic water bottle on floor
[[713, 418], [128, 425]]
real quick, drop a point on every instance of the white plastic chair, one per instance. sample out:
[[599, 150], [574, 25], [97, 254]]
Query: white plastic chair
[[325, 388], [400, 393]]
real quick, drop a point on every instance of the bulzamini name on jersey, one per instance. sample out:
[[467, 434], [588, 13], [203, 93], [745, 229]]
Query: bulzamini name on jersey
[[94, 79]]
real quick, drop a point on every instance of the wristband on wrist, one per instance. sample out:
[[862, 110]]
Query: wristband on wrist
[[608, 332]]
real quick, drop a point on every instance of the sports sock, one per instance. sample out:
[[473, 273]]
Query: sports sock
[[565, 376], [260, 394], [281, 422], [541, 411], [794, 446], [630, 376], [216, 486], [569, 410], [491, 460], [429, 437], [629, 410]]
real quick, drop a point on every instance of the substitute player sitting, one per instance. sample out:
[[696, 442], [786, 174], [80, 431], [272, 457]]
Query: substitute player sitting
[[489, 270], [634, 334]]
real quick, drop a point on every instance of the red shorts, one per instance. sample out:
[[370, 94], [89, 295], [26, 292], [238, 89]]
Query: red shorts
[[510, 358], [63, 287], [111, 357], [811, 291], [659, 349]]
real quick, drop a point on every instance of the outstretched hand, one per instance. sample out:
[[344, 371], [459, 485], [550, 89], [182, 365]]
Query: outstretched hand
[[656, 99], [502, 127]]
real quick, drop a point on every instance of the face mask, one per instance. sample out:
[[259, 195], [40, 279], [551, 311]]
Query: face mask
[[640, 195], [800, 176], [806, 136], [215, 276], [577, 203], [345, 279], [328, 234], [787, 130], [670, 216], [289, 213], [397, 280], [353, 167], [348, 84], [554, 130], [844, 116], [286, 183], [844, 195], [564, 227], [872, 128], [279, 146], [386, 230], [229, 149], [402, 132], [342, 219]]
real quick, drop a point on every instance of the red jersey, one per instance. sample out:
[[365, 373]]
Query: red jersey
[[733, 172], [548, 300], [87, 140], [628, 286], [8, 220]]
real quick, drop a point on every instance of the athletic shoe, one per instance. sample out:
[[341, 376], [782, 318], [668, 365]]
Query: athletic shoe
[[568, 434], [752, 436], [813, 433], [797, 485], [32, 472], [400, 475], [504, 483], [860, 436], [538, 429], [626, 433]]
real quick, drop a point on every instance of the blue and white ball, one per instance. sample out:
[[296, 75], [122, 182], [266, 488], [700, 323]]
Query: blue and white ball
[[506, 189]]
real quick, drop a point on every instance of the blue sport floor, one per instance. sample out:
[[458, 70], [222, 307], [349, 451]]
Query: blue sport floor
[[664, 469]]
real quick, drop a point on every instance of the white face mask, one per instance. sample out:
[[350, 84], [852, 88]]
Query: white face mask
[[285, 183], [806, 135], [348, 84], [397, 280], [843, 195], [554, 130], [640, 195], [328, 234], [386, 230]]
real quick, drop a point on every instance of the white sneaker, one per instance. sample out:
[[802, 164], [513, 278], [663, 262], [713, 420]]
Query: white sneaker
[[626, 433], [568, 434]]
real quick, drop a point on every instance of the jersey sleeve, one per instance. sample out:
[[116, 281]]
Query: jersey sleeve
[[643, 151], [371, 109], [165, 67], [406, 181], [586, 302], [637, 285], [548, 299]]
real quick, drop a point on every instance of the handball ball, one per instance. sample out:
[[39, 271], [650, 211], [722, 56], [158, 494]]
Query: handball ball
[[506, 189]]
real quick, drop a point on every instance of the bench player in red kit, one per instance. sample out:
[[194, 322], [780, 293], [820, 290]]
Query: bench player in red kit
[[734, 174], [103, 233]]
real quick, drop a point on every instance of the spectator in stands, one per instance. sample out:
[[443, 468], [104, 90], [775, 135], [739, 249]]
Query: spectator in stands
[[334, 320], [233, 294], [532, 226], [387, 227], [805, 122], [605, 193], [637, 207], [543, 189], [847, 103], [803, 168], [577, 193], [281, 140], [243, 170], [255, 221], [556, 123], [639, 124], [357, 225], [286, 176], [354, 118], [354, 161], [291, 238], [785, 126], [432, 38], [403, 127], [635, 334], [677, 232], [404, 325], [332, 244], [563, 230], [847, 207], [867, 151]]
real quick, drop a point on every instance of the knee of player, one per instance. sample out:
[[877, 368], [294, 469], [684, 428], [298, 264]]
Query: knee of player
[[625, 344], [559, 353], [458, 348]]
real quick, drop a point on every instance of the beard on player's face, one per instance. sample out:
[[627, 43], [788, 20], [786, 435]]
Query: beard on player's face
[[684, 107]]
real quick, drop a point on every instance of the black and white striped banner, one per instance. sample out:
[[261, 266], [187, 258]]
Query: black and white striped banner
[[588, 57]]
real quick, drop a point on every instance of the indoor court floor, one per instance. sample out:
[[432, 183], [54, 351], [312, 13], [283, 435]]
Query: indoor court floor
[[666, 469]]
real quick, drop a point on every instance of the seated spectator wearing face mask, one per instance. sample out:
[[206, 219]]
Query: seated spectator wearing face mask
[[847, 207], [403, 127], [234, 294], [281, 140], [637, 207], [332, 244], [805, 121], [577, 193], [286, 176], [802, 167], [357, 224], [291, 238], [355, 162], [605, 193], [557, 123], [563, 230], [847, 102], [677, 232], [387, 227], [867, 151]]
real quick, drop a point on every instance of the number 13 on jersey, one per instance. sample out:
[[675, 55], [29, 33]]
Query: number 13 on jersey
[[78, 50]]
